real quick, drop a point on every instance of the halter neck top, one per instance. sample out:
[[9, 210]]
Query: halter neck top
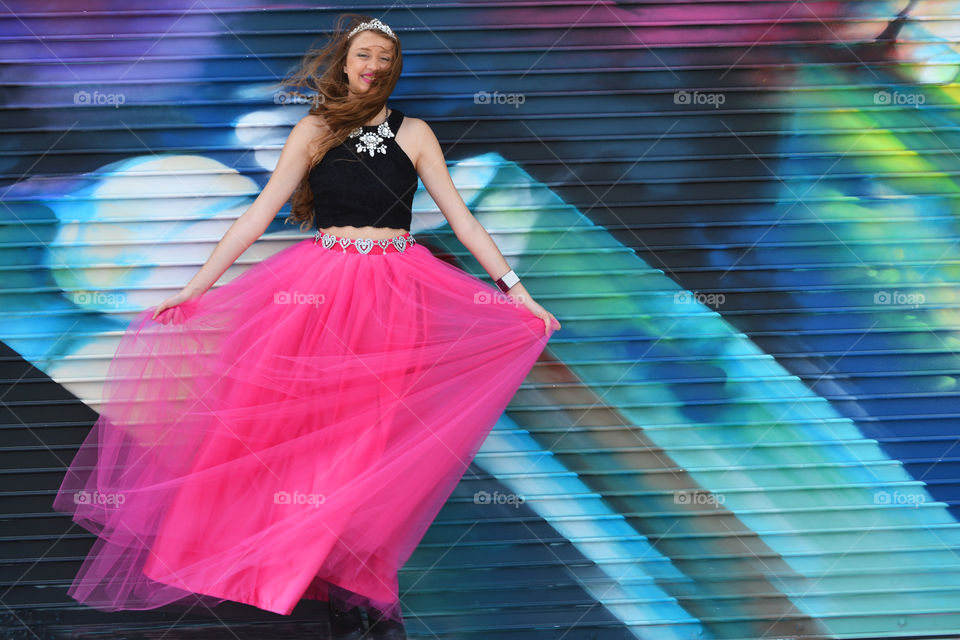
[[368, 180]]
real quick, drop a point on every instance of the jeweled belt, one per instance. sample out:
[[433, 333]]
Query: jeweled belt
[[364, 245]]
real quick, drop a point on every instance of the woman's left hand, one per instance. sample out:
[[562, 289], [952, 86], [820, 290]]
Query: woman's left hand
[[540, 312]]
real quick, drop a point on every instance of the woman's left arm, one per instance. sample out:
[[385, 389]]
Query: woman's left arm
[[432, 169]]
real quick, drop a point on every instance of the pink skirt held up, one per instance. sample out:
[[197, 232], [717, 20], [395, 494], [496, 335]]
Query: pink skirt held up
[[292, 433]]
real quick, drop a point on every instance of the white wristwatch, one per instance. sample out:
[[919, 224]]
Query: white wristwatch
[[507, 280]]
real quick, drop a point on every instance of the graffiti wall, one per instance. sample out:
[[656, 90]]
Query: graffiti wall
[[745, 214]]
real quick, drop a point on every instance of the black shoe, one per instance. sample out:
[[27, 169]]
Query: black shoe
[[345, 624], [383, 628]]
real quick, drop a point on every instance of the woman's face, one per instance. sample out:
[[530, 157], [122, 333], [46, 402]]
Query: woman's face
[[369, 57]]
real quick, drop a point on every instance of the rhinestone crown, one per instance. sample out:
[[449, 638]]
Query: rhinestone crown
[[373, 24]]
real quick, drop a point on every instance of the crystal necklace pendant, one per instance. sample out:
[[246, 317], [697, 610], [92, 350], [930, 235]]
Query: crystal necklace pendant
[[372, 142]]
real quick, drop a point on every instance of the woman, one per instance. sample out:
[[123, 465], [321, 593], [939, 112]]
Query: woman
[[293, 433]]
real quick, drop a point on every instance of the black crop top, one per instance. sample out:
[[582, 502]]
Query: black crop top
[[367, 181]]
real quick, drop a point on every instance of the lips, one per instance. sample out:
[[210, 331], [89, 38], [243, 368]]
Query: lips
[[367, 78]]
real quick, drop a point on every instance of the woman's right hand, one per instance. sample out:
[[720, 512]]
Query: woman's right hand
[[178, 298]]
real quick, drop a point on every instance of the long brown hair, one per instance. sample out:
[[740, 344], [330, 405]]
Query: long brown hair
[[321, 81]]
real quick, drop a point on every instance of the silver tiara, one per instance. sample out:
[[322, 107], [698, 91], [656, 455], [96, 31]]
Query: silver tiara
[[373, 24]]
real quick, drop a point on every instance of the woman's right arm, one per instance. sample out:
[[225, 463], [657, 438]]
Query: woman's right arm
[[291, 167]]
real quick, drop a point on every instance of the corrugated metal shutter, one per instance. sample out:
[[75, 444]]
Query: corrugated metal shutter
[[743, 213]]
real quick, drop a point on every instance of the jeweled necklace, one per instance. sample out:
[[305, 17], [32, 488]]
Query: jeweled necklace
[[373, 141]]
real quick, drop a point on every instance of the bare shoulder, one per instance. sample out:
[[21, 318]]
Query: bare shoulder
[[312, 124], [309, 131], [418, 136], [417, 126]]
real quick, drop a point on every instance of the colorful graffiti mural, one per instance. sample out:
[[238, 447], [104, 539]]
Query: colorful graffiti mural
[[744, 214]]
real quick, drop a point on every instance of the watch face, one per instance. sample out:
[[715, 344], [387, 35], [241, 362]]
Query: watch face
[[507, 280]]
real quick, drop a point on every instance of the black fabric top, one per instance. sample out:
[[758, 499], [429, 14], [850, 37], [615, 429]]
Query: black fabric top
[[367, 181]]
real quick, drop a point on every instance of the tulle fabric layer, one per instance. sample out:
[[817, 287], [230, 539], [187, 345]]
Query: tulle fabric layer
[[293, 433]]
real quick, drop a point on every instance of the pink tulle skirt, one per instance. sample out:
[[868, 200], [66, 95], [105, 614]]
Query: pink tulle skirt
[[293, 433]]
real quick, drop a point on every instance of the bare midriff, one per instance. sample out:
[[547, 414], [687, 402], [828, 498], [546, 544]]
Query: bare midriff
[[376, 233]]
